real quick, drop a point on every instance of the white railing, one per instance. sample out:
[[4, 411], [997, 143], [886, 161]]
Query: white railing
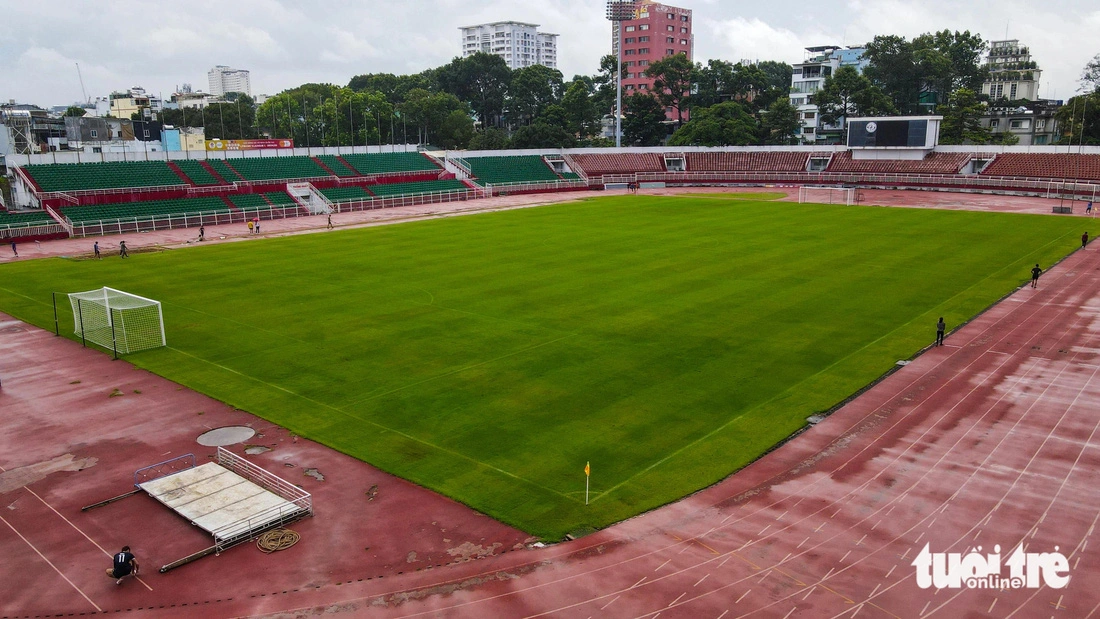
[[67, 195], [17, 231], [172, 221], [60, 219], [299, 502], [454, 195], [496, 189]]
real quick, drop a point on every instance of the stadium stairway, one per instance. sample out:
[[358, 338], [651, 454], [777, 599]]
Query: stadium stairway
[[324, 167], [209, 168], [175, 168]]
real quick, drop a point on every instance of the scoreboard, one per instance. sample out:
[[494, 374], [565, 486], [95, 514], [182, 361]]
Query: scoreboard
[[901, 132]]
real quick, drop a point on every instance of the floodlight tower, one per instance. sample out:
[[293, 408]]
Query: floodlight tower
[[619, 11]]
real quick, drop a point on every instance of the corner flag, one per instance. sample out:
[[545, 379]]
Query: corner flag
[[587, 473]]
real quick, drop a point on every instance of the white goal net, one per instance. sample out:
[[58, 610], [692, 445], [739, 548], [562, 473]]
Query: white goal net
[[826, 195], [117, 320]]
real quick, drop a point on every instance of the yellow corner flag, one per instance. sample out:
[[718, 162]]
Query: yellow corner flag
[[587, 473], [587, 469]]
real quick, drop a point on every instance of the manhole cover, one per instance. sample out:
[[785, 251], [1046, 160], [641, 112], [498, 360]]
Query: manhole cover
[[229, 435]]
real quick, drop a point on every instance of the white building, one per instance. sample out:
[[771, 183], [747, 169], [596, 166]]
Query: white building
[[520, 45], [224, 79], [1013, 75], [809, 77]]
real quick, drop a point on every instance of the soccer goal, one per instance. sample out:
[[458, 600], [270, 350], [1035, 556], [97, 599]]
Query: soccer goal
[[118, 321], [827, 195]]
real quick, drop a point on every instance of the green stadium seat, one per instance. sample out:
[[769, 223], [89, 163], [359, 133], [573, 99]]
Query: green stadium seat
[[390, 163], [512, 169], [144, 210], [106, 175]]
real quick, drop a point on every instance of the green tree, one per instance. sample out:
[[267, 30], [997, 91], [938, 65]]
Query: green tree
[[227, 121], [429, 111], [604, 83], [780, 123], [582, 116], [75, 112], [894, 70], [541, 135], [778, 73], [725, 124], [532, 89], [1079, 119], [643, 120], [482, 81], [962, 119], [1090, 76], [489, 138], [456, 131], [714, 83], [847, 93], [947, 61], [672, 83]]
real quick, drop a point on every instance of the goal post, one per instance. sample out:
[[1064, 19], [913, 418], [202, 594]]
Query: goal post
[[118, 321], [826, 195]]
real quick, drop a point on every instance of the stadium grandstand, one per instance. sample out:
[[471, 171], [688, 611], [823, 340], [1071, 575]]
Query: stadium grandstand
[[62, 194]]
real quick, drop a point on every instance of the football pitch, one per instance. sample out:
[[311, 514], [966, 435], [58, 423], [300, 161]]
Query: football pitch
[[668, 341]]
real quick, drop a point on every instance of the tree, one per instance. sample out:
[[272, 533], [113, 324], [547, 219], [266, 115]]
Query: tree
[[75, 112], [482, 81], [582, 117], [532, 89], [847, 93], [1079, 119], [714, 83], [671, 77], [1090, 77], [780, 123], [947, 61], [725, 124], [456, 131], [489, 138], [227, 121], [962, 119], [643, 120], [892, 68], [775, 85], [429, 111], [604, 82], [541, 135]]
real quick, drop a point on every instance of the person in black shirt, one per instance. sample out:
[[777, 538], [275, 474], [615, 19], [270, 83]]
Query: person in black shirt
[[940, 327], [124, 565], [1035, 273]]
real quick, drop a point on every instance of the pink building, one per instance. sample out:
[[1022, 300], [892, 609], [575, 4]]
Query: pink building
[[657, 30]]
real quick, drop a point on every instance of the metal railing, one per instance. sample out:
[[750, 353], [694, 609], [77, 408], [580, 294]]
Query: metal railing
[[299, 502], [496, 189], [172, 221], [164, 469], [18, 230], [368, 204]]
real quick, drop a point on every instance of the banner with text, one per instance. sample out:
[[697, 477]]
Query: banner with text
[[247, 144]]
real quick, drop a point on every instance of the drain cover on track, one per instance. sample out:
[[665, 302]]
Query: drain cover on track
[[229, 435]]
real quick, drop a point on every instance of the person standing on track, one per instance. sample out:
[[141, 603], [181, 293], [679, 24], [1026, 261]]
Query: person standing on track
[[330, 221], [1035, 273], [940, 328], [13, 250], [250, 226], [1084, 239], [124, 565], [96, 248], [122, 251], [202, 232]]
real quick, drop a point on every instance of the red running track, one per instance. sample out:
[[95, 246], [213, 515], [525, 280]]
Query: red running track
[[989, 440]]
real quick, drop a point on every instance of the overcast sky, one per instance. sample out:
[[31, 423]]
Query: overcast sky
[[159, 45]]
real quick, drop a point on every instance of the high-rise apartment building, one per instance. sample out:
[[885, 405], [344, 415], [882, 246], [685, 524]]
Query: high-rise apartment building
[[1013, 75], [520, 45], [224, 79], [657, 31]]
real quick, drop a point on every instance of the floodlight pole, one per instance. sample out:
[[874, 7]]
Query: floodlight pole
[[619, 11], [618, 94]]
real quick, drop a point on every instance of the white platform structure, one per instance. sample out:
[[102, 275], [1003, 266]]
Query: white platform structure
[[231, 499]]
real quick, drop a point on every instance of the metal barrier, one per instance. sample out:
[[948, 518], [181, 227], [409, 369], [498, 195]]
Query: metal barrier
[[164, 469]]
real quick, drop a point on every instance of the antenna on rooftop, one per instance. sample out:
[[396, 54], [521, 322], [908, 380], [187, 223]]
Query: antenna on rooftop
[[82, 91]]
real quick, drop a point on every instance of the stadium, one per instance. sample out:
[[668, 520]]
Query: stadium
[[711, 393]]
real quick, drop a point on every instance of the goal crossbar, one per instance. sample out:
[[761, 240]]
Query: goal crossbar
[[826, 195], [118, 321]]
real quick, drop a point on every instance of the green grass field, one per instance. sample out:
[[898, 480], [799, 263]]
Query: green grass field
[[668, 340]]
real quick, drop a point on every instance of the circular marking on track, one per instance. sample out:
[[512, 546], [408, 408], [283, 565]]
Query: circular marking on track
[[229, 435]]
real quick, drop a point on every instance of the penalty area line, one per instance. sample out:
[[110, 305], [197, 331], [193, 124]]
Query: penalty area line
[[389, 429]]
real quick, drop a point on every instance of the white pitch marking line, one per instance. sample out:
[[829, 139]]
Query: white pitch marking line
[[802, 542], [639, 582], [845, 556], [876, 525], [50, 563], [726, 518], [724, 560], [858, 608], [701, 580], [827, 574], [891, 571], [919, 536], [873, 591], [742, 596], [662, 565], [808, 593], [789, 612], [861, 540], [610, 603], [785, 558], [764, 529], [780, 516], [991, 606], [677, 599], [926, 605], [723, 613], [764, 576]]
